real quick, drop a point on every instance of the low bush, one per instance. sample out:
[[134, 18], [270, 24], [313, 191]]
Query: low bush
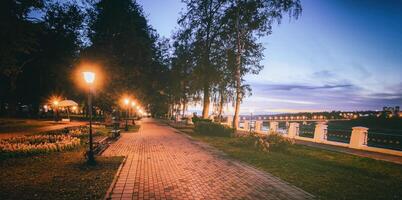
[[213, 129], [271, 142], [196, 119], [277, 142]]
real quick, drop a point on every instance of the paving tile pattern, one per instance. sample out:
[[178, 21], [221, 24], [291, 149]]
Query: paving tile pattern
[[163, 164]]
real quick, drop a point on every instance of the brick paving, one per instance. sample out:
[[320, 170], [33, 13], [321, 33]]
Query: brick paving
[[163, 164]]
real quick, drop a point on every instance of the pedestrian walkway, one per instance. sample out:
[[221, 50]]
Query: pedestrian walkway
[[163, 164]]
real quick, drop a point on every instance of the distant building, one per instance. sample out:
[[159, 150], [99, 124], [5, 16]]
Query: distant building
[[391, 111]]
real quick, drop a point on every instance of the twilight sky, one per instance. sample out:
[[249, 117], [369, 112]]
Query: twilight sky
[[339, 55]]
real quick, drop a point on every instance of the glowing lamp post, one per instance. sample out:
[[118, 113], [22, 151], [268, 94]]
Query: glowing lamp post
[[132, 108], [89, 78], [126, 103], [55, 111]]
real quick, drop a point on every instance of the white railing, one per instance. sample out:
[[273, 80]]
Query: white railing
[[358, 136]]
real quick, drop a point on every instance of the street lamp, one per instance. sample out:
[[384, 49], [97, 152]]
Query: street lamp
[[126, 103], [132, 109], [55, 111], [89, 79]]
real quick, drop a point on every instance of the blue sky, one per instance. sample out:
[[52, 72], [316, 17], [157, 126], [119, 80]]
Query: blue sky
[[339, 55]]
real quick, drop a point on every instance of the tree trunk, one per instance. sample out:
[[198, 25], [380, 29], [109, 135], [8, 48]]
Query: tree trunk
[[205, 109], [184, 106], [220, 109], [238, 74], [238, 97]]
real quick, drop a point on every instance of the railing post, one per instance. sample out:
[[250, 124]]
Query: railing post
[[320, 132], [245, 125], [189, 120], [293, 130], [229, 121], [273, 127], [358, 139], [258, 126]]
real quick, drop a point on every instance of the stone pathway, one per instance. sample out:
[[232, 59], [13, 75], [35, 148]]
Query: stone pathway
[[163, 164]]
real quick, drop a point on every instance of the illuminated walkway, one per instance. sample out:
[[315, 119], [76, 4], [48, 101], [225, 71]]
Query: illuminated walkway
[[163, 164]]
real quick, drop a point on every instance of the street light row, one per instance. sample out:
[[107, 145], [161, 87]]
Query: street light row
[[129, 102]]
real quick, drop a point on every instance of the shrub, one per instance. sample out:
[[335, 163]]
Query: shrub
[[196, 119], [278, 143], [213, 129], [266, 143]]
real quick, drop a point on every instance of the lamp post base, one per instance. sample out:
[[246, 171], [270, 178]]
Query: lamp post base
[[91, 158]]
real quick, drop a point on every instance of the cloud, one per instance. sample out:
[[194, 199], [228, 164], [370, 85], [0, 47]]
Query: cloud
[[282, 100], [288, 87], [287, 110], [324, 74]]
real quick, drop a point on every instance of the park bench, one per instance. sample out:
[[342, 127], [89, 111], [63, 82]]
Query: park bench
[[100, 144]]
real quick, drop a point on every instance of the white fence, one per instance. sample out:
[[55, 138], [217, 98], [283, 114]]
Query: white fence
[[358, 138]]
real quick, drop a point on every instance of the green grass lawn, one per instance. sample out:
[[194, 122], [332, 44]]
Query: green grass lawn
[[56, 176], [326, 174], [16, 125], [131, 129]]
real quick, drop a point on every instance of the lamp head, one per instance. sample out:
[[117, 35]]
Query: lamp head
[[126, 101], [89, 77]]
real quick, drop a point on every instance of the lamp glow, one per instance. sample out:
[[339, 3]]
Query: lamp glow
[[126, 101], [89, 77]]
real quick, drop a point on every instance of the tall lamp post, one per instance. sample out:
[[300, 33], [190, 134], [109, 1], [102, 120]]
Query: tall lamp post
[[126, 103], [55, 110], [89, 79], [133, 108]]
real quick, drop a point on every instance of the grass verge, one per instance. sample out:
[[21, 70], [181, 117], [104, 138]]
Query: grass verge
[[15, 125], [56, 176], [326, 174], [131, 129]]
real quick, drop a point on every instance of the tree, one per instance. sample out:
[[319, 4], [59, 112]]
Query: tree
[[181, 73], [18, 42], [126, 47], [201, 22], [246, 21]]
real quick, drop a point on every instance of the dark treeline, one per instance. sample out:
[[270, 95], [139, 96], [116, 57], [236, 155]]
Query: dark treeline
[[216, 45], [43, 42]]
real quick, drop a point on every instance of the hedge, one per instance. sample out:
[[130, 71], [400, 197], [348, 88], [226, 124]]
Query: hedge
[[213, 129]]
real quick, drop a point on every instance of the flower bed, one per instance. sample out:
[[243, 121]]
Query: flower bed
[[36, 144], [79, 132]]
